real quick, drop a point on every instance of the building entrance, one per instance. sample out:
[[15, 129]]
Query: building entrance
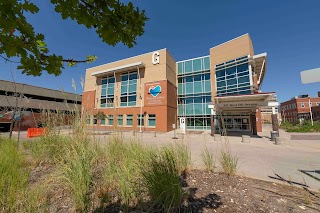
[[237, 123]]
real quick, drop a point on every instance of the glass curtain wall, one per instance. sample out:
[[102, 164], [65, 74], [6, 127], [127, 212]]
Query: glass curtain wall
[[233, 77], [194, 92], [107, 92], [128, 89]]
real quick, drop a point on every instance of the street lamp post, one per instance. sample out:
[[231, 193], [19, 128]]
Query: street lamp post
[[310, 111]]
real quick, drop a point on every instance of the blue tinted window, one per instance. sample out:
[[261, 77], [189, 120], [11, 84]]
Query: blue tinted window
[[207, 76], [231, 82], [188, 66], [189, 79], [197, 78], [180, 68], [133, 98], [221, 84], [242, 67], [197, 100], [231, 70], [206, 63], [220, 73], [124, 77], [111, 80], [243, 79], [189, 100], [133, 76], [196, 64]]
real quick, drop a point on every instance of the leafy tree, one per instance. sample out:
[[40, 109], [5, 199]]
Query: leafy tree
[[113, 21]]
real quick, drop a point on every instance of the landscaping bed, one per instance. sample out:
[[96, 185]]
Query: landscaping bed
[[210, 192]]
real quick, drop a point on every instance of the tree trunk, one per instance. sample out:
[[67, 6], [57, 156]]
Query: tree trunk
[[12, 124]]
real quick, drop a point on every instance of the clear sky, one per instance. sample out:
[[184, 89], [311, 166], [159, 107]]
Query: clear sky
[[288, 30]]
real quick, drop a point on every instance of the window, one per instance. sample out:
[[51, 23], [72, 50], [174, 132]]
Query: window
[[95, 120], [140, 120], [128, 89], [110, 120], [107, 92], [152, 120], [102, 121], [233, 77], [120, 120], [129, 120], [317, 104], [302, 105], [88, 120]]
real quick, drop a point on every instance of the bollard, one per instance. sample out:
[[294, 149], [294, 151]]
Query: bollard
[[133, 133], [217, 137], [155, 134], [280, 141], [246, 139], [274, 134]]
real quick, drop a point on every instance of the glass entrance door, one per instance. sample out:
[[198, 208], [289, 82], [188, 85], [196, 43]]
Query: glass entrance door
[[237, 123]]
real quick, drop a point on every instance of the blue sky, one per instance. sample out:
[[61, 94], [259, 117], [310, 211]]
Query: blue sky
[[289, 31]]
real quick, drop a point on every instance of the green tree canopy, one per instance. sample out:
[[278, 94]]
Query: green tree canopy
[[113, 21]]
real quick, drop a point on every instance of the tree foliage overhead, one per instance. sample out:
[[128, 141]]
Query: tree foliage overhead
[[113, 21]]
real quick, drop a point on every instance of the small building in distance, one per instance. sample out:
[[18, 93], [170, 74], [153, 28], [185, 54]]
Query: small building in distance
[[266, 112], [298, 109], [31, 100]]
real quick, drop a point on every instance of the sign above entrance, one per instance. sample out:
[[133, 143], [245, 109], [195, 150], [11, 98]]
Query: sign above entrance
[[155, 57]]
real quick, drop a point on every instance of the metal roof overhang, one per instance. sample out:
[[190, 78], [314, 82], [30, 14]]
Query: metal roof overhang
[[118, 69], [244, 103], [259, 63]]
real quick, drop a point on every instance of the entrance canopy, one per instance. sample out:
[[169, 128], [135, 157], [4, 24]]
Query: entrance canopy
[[237, 104]]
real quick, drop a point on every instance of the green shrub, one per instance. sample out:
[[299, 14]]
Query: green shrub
[[306, 126], [208, 159], [162, 181], [183, 157], [229, 163], [14, 174]]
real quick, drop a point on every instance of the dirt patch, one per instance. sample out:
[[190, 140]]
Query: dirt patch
[[213, 192], [209, 192]]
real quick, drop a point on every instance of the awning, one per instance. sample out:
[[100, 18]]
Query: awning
[[126, 67], [259, 65], [244, 103]]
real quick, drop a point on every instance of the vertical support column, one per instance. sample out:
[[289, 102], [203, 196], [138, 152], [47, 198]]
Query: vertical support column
[[254, 124], [274, 119], [258, 120]]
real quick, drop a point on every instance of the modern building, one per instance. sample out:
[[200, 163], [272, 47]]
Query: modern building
[[298, 108], [30, 101], [150, 92]]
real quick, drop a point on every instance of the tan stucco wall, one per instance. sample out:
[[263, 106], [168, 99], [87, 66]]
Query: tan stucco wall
[[229, 50], [166, 69]]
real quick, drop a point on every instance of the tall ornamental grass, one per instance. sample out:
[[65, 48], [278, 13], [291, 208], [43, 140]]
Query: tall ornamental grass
[[14, 174]]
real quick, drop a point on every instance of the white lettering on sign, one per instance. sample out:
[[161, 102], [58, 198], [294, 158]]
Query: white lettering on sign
[[156, 57], [182, 125]]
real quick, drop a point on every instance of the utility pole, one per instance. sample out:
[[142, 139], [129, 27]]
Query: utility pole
[[310, 111]]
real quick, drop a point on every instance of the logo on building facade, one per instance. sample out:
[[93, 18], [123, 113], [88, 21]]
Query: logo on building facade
[[155, 91], [156, 57]]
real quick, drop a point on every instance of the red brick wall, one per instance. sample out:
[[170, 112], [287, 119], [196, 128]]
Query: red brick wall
[[258, 120]]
